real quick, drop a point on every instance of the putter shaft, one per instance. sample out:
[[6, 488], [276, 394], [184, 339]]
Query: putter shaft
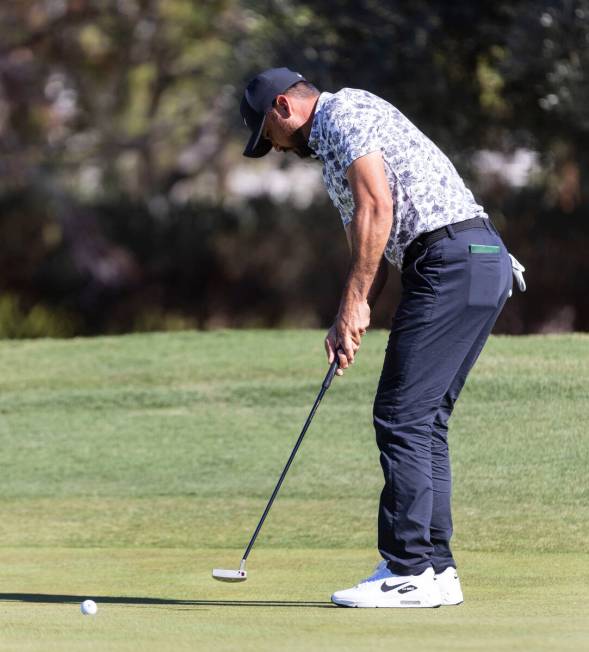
[[324, 387]]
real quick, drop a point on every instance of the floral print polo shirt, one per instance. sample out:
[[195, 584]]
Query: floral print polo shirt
[[427, 190]]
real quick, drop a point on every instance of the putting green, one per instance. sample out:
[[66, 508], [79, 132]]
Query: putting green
[[165, 600], [131, 466]]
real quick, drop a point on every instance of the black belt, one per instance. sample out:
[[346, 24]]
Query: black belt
[[427, 239]]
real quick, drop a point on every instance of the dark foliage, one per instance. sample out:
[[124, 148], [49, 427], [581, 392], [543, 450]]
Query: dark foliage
[[119, 129]]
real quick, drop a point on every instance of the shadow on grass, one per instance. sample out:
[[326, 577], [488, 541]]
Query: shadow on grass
[[49, 598]]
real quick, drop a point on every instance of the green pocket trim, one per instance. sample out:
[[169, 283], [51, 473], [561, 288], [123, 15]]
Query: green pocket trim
[[484, 249]]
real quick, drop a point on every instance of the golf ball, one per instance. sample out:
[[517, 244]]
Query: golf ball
[[88, 608]]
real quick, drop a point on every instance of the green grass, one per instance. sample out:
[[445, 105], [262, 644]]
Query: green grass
[[130, 466]]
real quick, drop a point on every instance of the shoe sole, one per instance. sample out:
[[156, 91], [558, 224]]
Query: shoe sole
[[372, 605]]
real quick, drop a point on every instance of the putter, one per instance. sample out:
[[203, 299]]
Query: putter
[[240, 575]]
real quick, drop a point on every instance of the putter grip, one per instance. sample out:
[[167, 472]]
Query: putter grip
[[330, 373]]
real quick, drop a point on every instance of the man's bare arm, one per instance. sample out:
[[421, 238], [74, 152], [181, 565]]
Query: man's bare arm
[[381, 277], [369, 232]]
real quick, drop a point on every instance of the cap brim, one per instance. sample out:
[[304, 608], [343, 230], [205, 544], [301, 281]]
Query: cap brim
[[257, 146]]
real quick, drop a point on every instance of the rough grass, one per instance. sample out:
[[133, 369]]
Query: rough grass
[[130, 466]]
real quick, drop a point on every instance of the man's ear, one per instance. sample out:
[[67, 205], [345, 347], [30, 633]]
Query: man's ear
[[282, 106]]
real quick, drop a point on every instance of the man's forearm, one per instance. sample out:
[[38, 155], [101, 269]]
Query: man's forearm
[[379, 282], [369, 234]]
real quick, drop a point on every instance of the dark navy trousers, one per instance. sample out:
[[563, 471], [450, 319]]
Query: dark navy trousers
[[452, 294]]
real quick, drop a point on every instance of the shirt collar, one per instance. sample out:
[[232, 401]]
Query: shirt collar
[[315, 135]]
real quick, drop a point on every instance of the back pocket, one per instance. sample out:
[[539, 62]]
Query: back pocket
[[485, 276]]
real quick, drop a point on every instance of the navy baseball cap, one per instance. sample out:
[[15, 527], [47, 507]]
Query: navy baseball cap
[[257, 100]]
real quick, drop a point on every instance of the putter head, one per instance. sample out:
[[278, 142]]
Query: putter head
[[224, 575]]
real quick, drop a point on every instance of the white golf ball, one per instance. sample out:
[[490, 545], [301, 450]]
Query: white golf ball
[[88, 608]]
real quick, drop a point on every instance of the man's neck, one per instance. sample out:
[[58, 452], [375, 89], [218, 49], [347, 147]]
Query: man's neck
[[306, 127]]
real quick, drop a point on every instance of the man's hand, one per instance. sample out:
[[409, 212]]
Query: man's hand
[[345, 335]]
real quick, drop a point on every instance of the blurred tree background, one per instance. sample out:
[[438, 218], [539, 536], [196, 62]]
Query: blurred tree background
[[125, 203]]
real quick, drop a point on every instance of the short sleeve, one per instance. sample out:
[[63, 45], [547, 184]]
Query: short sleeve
[[346, 212], [342, 200], [353, 132]]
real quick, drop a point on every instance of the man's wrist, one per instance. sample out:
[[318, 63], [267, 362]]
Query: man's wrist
[[348, 312], [354, 294]]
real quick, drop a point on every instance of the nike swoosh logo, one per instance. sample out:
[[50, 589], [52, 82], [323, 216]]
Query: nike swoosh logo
[[385, 587]]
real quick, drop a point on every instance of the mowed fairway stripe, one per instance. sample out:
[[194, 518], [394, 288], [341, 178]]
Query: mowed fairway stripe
[[189, 521]]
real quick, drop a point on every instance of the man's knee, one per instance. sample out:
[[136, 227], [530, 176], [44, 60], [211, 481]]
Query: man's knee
[[380, 411], [388, 418], [407, 427]]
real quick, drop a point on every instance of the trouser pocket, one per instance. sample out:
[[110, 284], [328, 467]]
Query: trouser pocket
[[485, 276]]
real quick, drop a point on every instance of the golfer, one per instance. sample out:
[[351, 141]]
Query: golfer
[[402, 203]]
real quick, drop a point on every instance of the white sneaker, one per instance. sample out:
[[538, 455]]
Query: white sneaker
[[449, 585], [385, 589]]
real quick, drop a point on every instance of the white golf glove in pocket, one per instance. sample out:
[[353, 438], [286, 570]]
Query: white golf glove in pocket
[[518, 274]]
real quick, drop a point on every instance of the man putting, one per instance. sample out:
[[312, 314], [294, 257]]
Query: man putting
[[402, 203]]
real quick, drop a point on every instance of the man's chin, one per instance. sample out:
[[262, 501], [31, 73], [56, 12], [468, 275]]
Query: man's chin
[[301, 148]]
